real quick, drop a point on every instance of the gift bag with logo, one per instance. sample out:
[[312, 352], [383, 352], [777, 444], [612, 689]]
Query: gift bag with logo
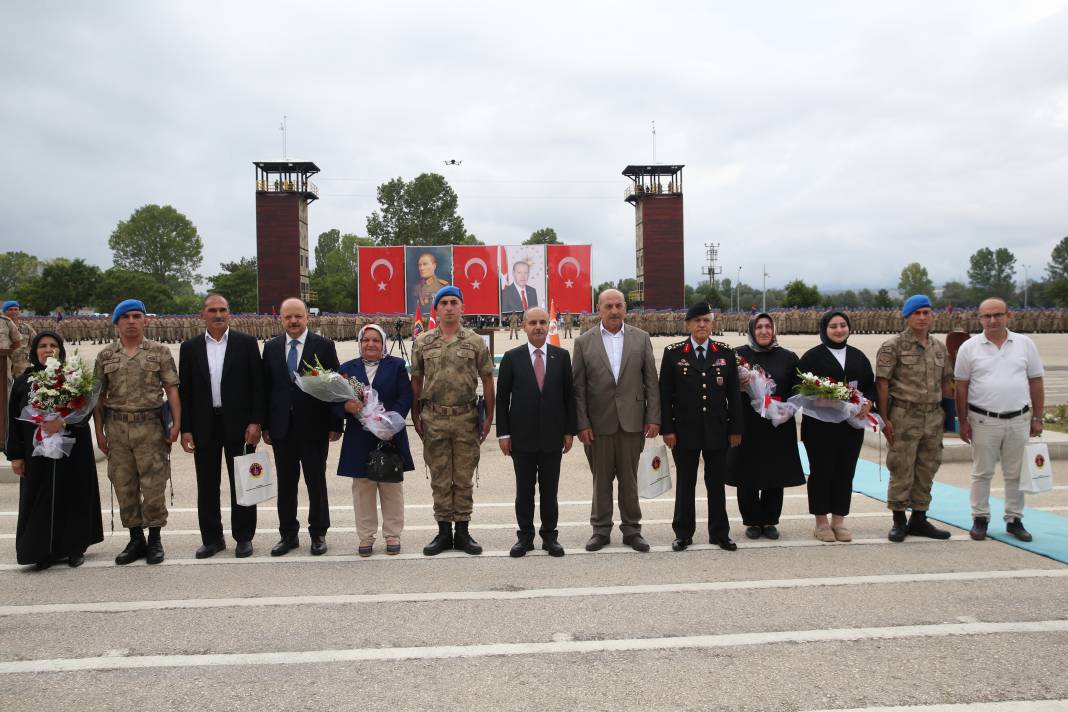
[[1036, 475], [654, 471], [254, 478]]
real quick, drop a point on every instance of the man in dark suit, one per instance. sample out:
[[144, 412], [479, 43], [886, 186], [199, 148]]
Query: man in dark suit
[[701, 408], [223, 408], [299, 427], [536, 424], [519, 296]]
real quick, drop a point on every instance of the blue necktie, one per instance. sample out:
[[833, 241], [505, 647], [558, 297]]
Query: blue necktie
[[291, 360]]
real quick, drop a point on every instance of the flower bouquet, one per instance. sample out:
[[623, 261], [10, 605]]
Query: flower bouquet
[[760, 387], [59, 390], [826, 399], [323, 384]]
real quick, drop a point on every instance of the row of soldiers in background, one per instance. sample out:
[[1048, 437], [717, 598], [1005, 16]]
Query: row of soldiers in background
[[345, 327]]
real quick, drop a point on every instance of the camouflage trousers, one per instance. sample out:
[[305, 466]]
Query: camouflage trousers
[[139, 467], [914, 457], [451, 451]]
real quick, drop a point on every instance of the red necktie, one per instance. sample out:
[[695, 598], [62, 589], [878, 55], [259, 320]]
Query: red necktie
[[539, 369], [523, 296]]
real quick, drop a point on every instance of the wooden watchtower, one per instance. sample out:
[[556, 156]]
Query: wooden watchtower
[[283, 193], [656, 194]]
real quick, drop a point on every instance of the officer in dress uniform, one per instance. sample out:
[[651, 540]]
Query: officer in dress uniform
[[701, 414], [133, 373]]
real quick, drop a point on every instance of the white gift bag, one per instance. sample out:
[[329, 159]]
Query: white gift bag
[[1036, 475], [654, 471], [254, 478]]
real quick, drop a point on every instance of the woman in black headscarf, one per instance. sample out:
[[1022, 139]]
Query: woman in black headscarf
[[768, 459], [59, 500], [834, 448]]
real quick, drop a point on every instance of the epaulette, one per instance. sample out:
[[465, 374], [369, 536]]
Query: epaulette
[[679, 345], [719, 345]]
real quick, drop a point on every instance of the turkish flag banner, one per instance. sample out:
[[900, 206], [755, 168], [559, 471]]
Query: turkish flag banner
[[474, 271], [381, 280], [568, 268]]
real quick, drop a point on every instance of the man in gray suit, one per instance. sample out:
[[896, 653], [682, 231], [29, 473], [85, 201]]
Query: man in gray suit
[[617, 396]]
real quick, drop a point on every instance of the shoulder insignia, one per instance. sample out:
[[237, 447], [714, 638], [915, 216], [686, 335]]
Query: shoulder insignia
[[679, 345], [719, 346]]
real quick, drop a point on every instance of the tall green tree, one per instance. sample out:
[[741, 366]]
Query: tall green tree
[[328, 242], [799, 294], [159, 240], [543, 236], [915, 280], [956, 293], [238, 283], [883, 300], [422, 211], [116, 284], [16, 268], [990, 273], [337, 283], [1056, 288], [70, 284]]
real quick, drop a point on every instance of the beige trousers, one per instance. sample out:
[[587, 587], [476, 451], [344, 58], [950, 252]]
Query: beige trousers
[[391, 495]]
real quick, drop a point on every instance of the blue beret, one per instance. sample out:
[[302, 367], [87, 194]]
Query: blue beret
[[8, 304], [448, 291], [127, 305], [916, 301]]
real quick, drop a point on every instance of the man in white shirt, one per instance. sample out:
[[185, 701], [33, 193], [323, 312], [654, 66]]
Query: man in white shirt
[[999, 399]]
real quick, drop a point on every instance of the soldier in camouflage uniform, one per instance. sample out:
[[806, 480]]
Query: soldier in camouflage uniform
[[513, 326], [912, 376], [9, 339], [133, 373], [447, 364], [20, 357]]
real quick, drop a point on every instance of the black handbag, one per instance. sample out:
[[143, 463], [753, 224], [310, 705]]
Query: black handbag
[[385, 463]]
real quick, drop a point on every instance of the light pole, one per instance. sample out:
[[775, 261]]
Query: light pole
[[737, 299], [764, 298]]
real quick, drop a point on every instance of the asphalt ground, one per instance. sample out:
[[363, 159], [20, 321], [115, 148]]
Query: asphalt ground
[[787, 625]]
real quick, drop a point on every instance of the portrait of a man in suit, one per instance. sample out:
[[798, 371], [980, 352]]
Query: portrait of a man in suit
[[299, 427], [223, 403], [536, 423], [519, 295]]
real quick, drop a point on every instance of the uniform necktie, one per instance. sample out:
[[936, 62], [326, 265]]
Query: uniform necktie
[[291, 359], [701, 355], [539, 369], [523, 296]]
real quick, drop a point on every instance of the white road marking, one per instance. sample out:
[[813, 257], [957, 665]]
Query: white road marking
[[1010, 706], [692, 642], [122, 533], [492, 595], [224, 560]]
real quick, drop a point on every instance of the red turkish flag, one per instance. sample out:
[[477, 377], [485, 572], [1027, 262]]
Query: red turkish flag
[[474, 271], [568, 270], [381, 272]]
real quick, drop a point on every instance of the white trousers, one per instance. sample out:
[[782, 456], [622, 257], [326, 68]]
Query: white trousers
[[994, 441]]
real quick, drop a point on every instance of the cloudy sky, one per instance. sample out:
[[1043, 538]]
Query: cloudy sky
[[834, 142]]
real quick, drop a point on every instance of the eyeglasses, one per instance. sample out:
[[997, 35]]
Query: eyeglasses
[[999, 315]]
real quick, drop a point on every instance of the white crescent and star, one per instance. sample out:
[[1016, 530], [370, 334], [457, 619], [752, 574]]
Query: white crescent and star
[[475, 284], [560, 270], [389, 265]]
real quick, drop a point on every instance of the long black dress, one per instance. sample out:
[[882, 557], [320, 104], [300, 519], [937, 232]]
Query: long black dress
[[54, 521], [834, 448], [768, 459]]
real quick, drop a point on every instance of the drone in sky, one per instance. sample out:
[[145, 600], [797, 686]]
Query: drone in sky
[[453, 162]]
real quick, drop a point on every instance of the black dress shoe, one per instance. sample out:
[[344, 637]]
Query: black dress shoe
[[75, 560], [753, 532], [597, 542], [1016, 528], [724, 543], [636, 542], [978, 530], [680, 544], [42, 565], [243, 549], [521, 547], [285, 545], [154, 552], [135, 550], [318, 545], [771, 531], [207, 551]]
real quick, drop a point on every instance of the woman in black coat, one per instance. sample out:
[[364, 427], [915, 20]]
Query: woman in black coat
[[768, 460], [834, 448], [59, 500]]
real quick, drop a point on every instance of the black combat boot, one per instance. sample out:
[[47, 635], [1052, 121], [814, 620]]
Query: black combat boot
[[920, 526], [155, 546], [442, 542], [135, 550], [900, 530], [524, 543], [464, 541]]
